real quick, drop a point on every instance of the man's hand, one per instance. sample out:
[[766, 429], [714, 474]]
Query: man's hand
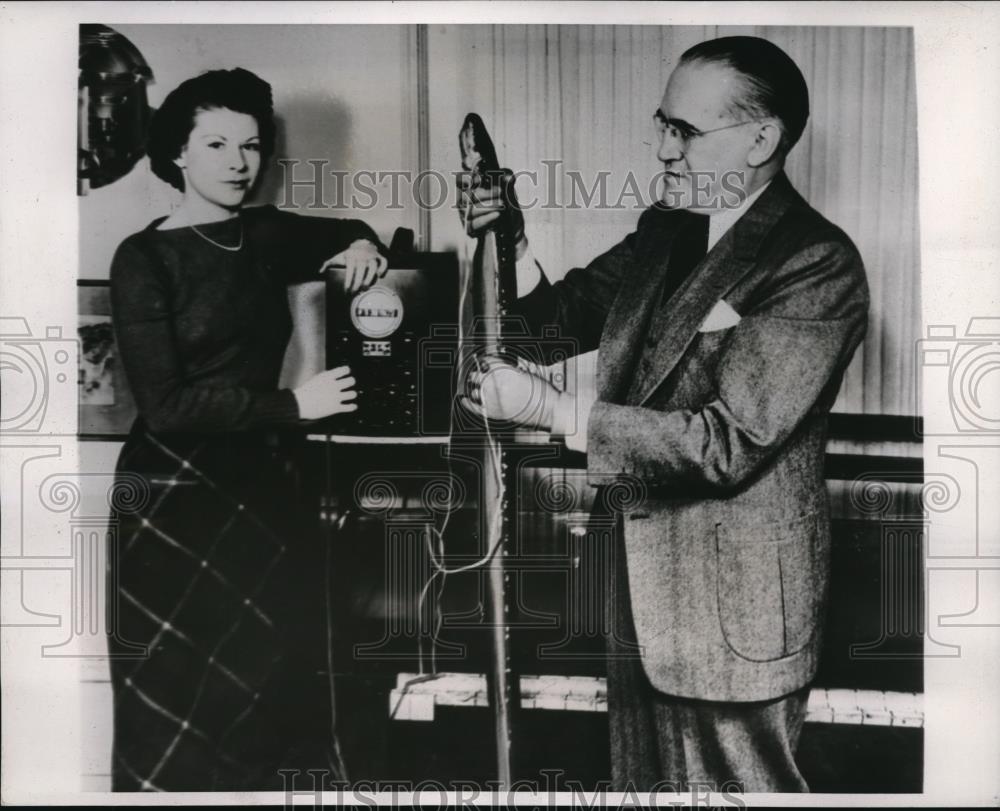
[[365, 265], [504, 393], [480, 207]]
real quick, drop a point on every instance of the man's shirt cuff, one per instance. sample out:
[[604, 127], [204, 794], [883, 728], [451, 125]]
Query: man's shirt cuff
[[569, 421]]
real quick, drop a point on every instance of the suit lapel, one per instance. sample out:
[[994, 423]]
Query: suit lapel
[[624, 333], [623, 339], [675, 323]]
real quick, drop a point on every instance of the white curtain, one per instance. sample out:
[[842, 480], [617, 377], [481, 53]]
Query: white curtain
[[584, 96]]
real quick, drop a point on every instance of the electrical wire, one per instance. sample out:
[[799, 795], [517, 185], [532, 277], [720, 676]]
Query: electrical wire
[[494, 448], [436, 555], [495, 530]]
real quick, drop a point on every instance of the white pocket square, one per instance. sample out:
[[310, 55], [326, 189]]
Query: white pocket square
[[722, 317]]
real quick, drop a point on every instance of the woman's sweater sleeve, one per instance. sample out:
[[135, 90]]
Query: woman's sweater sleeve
[[141, 312], [298, 246]]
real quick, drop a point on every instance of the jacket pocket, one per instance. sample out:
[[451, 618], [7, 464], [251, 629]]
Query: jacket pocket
[[771, 580]]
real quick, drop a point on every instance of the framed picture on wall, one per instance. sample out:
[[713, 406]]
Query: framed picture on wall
[[106, 405]]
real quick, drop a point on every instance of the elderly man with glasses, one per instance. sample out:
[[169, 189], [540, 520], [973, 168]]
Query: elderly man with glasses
[[725, 322]]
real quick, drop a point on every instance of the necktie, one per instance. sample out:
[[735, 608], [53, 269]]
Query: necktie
[[689, 248]]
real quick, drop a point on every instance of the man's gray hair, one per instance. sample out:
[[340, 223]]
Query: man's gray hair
[[773, 85]]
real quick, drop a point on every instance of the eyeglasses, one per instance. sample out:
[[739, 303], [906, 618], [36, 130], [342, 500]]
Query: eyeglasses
[[683, 133]]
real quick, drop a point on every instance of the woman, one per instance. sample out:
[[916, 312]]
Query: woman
[[210, 574]]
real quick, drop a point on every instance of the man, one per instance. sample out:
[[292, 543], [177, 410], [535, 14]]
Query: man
[[723, 340]]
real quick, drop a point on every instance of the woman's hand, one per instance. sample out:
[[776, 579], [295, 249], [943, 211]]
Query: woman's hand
[[330, 392], [365, 265]]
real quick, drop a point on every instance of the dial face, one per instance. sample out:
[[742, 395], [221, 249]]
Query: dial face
[[377, 312]]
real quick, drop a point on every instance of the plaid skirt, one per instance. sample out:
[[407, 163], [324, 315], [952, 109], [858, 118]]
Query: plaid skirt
[[211, 586]]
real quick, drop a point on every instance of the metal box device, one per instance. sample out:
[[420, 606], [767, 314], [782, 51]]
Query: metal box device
[[400, 338]]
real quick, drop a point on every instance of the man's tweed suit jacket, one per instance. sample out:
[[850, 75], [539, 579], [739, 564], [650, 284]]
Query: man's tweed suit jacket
[[728, 555]]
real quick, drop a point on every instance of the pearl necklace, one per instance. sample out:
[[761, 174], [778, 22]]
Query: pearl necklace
[[219, 244]]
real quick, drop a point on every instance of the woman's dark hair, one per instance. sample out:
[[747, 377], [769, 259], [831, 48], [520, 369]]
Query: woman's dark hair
[[773, 85], [237, 89]]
